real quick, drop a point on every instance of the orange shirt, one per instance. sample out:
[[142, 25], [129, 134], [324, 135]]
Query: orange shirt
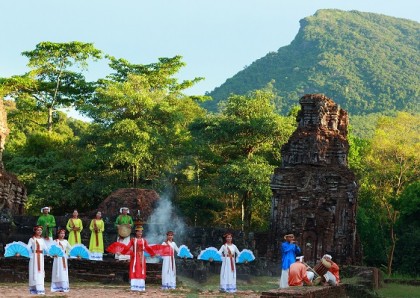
[[335, 271], [297, 274]]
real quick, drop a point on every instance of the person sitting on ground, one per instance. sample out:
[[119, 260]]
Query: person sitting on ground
[[298, 273], [332, 276]]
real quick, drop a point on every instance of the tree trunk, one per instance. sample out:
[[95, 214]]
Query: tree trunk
[[50, 119], [246, 211], [393, 236]]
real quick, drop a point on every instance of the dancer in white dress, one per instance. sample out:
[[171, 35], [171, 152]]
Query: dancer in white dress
[[60, 269], [168, 265], [229, 253], [36, 263]]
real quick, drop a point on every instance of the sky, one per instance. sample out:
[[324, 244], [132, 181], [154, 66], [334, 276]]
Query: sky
[[216, 38]]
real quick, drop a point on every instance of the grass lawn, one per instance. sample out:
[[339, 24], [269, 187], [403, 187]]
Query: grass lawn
[[391, 290]]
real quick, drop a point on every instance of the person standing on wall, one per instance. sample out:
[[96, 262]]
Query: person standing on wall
[[289, 249], [74, 227], [96, 243], [124, 223], [47, 221]]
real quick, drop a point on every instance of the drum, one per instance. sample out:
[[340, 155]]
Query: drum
[[322, 267], [124, 230]]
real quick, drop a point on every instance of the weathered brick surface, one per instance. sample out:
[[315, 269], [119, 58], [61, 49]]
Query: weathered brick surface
[[314, 191], [308, 292]]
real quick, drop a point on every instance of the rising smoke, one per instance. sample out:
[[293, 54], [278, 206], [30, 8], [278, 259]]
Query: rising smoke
[[164, 218]]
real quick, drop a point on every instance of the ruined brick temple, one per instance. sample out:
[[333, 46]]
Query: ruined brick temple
[[314, 191], [12, 191]]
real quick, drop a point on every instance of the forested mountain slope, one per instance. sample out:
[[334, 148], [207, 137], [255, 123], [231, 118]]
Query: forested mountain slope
[[364, 61]]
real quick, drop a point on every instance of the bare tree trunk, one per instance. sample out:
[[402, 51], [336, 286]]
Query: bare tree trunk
[[50, 119], [392, 216], [391, 250], [243, 215], [246, 211]]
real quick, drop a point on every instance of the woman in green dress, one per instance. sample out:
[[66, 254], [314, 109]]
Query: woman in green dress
[[96, 243], [74, 226]]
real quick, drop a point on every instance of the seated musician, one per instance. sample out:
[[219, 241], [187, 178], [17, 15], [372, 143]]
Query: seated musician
[[298, 273], [332, 276]]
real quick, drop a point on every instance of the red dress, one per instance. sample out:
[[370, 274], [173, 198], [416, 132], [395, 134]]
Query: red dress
[[138, 260]]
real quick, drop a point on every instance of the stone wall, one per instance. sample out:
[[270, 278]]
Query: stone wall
[[15, 269], [314, 191]]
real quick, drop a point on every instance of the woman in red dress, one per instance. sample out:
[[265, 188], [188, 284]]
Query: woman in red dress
[[137, 274]]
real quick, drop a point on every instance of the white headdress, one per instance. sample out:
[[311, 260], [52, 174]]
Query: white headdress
[[327, 256], [124, 208], [43, 208]]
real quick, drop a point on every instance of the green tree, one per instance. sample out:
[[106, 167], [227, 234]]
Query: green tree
[[52, 83], [407, 259], [142, 117], [391, 164], [241, 139]]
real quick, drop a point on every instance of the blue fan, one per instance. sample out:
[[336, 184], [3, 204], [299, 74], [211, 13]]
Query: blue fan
[[17, 248], [210, 253], [55, 251], [79, 251], [184, 252], [245, 256]]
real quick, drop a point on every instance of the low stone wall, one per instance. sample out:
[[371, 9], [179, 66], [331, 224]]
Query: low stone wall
[[368, 277], [307, 292], [109, 270]]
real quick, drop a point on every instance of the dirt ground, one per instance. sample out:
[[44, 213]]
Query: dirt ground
[[114, 291]]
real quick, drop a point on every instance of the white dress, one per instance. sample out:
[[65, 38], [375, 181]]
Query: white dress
[[169, 267], [60, 269], [36, 266], [228, 269]]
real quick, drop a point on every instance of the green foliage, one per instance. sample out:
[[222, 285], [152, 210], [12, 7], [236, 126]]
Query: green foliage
[[200, 210], [387, 166], [407, 259], [147, 133], [142, 118], [52, 82], [239, 143], [366, 62]]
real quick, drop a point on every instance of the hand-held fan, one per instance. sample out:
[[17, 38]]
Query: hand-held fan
[[55, 251], [245, 256], [210, 253], [184, 252], [17, 248], [117, 248], [79, 251]]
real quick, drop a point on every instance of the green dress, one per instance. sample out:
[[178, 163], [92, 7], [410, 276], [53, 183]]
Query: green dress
[[96, 243], [124, 220], [47, 221], [74, 236]]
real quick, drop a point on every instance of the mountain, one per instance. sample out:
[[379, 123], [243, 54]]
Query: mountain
[[366, 62]]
